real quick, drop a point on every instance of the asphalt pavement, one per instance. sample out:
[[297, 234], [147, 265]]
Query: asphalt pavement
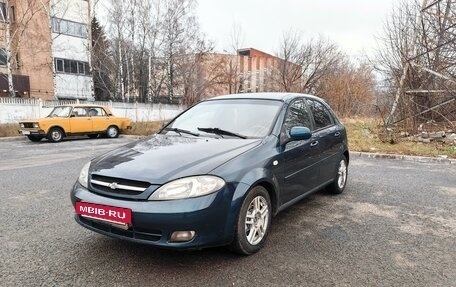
[[395, 225]]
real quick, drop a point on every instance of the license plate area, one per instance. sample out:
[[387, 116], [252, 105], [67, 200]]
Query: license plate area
[[115, 216], [25, 132]]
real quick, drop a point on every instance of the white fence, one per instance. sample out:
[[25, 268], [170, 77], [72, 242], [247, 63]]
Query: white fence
[[13, 110]]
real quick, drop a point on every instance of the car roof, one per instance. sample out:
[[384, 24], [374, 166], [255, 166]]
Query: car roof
[[284, 97], [82, 106]]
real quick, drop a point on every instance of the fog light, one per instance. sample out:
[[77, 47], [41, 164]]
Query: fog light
[[182, 236]]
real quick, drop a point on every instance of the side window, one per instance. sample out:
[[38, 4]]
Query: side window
[[96, 112], [297, 115], [321, 115], [79, 112]]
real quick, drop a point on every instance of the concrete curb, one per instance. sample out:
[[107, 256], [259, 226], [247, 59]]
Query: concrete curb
[[423, 159]]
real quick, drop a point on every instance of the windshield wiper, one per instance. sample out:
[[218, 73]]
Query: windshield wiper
[[179, 131], [221, 132]]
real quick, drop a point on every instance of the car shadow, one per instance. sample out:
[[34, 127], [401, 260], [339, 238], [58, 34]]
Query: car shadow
[[66, 139]]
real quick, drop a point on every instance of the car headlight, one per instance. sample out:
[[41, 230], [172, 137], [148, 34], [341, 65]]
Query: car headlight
[[188, 187], [22, 125], [36, 125], [84, 175]]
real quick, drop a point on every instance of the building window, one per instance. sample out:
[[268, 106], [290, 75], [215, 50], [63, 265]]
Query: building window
[[74, 67], [80, 68], [87, 68], [3, 57], [59, 65], [70, 28], [66, 66], [2, 12]]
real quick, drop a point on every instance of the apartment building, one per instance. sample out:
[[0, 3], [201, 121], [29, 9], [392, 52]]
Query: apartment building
[[48, 47], [255, 70], [249, 71]]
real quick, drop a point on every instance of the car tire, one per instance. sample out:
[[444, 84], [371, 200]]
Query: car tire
[[112, 132], [55, 135], [255, 216], [35, 138], [93, 136], [340, 179]]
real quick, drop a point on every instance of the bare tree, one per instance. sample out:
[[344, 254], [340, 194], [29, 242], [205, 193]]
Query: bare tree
[[417, 57], [349, 88], [302, 65]]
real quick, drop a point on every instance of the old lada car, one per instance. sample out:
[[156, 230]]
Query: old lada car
[[63, 121]]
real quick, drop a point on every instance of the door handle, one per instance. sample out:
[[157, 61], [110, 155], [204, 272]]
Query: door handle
[[337, 134], [315, 143]]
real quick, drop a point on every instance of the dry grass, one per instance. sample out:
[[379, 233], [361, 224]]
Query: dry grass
[[9, 130], [364, 134], [144, 128]]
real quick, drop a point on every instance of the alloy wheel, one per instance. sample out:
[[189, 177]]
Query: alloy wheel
[[256, 220], [342, 174]]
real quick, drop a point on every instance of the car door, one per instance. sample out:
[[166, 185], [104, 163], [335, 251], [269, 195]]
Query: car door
[[299, 157], [328, 135], [80, 121], [100, 119]]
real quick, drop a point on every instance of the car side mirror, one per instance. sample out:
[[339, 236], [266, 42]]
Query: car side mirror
[[296, 134], [300, 133]]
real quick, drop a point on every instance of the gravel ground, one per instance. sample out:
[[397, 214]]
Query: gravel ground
[[395, 225]]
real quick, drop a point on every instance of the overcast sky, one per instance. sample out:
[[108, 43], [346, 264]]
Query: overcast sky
[[353, 24]]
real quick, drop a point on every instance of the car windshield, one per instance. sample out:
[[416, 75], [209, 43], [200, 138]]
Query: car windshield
[[61, 112], [238, 118]]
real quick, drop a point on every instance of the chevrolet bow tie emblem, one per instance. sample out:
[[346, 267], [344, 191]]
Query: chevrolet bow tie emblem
[[113, 185]]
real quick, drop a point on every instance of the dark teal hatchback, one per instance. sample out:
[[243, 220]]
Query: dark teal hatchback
[[216, 174]]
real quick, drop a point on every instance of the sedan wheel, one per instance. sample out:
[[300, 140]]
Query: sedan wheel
[[55, 135], [340, 179], [253, 222], [112, 132]]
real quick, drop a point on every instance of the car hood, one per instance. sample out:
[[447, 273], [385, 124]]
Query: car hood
[[43, 120], [162, 158]]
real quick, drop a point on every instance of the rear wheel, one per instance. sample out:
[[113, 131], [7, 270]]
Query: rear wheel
[[253, 222], [55, 135], [112, 132], [340, 180], [35, 138]]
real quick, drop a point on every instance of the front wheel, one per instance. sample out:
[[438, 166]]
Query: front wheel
[[253, 222], [112, 132], [55, 135], [340, 180]]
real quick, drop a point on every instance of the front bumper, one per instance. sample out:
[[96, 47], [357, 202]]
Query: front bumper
[[35, 132], [153, 222]]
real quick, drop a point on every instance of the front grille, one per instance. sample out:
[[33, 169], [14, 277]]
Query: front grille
[[118, 185], [28, 125], [152, 235]]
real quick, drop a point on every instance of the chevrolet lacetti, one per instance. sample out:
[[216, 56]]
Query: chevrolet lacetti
[[216, 174]]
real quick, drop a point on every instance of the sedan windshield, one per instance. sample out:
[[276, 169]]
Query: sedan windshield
[[240, 118], [62, 112]]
